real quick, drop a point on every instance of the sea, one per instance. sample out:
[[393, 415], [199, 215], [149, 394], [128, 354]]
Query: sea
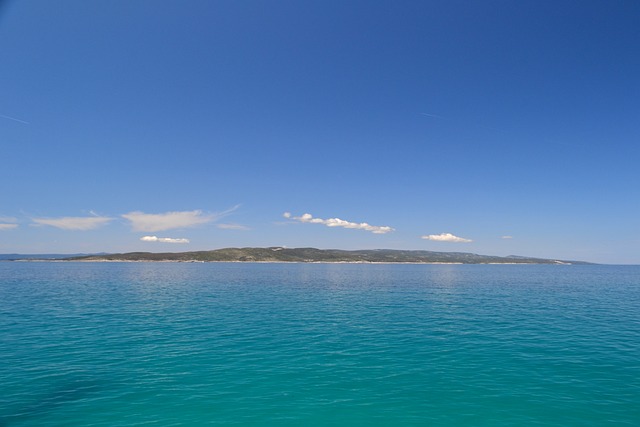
[[242, 344]]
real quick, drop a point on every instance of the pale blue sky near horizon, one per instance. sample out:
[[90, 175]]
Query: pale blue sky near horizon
[[493, 127]]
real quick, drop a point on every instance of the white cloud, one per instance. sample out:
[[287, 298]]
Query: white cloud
[[163, 239], [8, 226], [74, 223], [446, 237], [141, 221], [507, 237], [232, 227], [337, 222]]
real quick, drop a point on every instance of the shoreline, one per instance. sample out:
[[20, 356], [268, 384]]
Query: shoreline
[[282, 255], [282, 262]]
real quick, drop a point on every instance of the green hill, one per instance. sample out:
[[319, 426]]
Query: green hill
[[279, 254]]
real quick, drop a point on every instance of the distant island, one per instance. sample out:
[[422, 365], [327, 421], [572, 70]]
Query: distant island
[[313, 255]]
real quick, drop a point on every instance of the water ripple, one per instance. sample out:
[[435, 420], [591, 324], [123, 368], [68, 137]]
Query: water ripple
[[316, 345]]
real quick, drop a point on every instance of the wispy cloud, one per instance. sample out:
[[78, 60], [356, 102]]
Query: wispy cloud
[[14, 119], [337, 222], [8, 223], [507, 237], [74, 223], [446, 237], [163, 239], [432, 115], [232, 227], [141, 221]]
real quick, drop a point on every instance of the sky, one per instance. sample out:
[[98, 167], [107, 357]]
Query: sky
[[496, 127]]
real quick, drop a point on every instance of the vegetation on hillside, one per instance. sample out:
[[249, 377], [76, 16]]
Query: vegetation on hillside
[[279, 254]]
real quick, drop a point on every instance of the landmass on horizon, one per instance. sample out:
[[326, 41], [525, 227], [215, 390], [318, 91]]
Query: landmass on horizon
[[313, 255]]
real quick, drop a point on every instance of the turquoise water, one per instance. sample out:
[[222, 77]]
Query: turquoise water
[[164, 344]]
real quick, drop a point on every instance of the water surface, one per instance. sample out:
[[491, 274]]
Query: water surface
[[119, 344]]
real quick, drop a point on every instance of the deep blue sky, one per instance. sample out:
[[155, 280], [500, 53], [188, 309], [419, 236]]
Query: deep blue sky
[[208, 120]]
